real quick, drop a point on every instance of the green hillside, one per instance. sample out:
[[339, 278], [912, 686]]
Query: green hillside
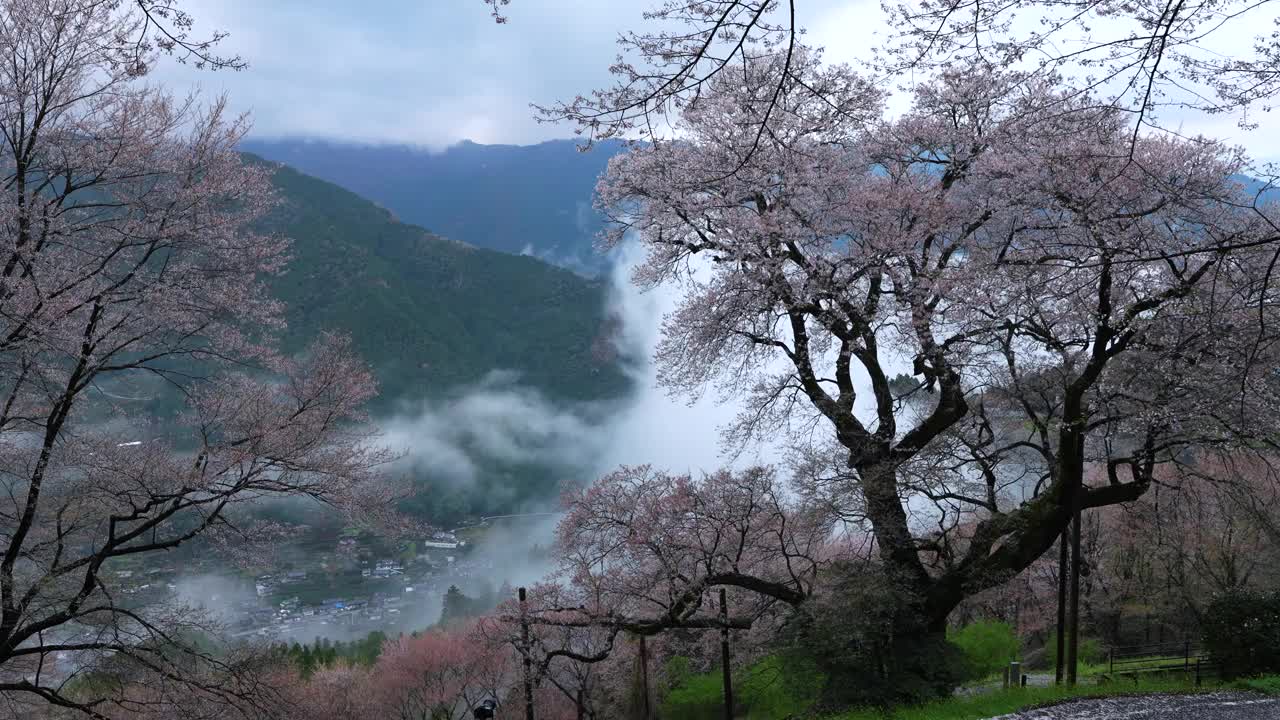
[[429, 313]]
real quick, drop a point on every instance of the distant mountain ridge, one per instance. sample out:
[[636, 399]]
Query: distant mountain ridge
[[525, 199], [431, 314]]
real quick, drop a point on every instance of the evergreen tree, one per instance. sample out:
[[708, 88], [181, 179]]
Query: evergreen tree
[[456, 606]]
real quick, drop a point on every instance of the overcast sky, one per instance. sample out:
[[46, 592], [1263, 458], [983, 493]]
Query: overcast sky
[[435, 72]]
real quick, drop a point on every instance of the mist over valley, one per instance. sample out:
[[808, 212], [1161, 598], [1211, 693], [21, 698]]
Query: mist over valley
[[493, 399]]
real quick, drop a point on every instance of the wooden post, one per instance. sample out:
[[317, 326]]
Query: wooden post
[[1186, 654], [724, 656], [1074, 609], [528, 661], [644, 677], [1063, 560], [1073, 612], [1015, 674]]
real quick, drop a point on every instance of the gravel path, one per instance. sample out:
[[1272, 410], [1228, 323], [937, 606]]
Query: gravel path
[[1210, 706]]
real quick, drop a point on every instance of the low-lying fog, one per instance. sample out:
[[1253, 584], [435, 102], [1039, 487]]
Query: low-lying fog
[[496, 419], [408, 596]]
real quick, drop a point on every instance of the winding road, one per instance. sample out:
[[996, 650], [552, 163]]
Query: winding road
[[1209, 706]]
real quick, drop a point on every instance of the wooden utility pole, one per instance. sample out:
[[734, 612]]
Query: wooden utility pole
[[526, 651], [724, 656], [1063, 569], [1073, 643], [644, 677]]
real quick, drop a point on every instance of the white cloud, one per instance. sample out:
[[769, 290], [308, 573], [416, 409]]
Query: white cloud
[[498, 419]]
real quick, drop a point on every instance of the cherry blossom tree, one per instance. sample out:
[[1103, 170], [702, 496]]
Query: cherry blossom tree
[[1150, 567], [342, 692], [442, 674], [1196, 536], [1061, 295], [640, 554], [644, 548], [569, 658], [128, 266]]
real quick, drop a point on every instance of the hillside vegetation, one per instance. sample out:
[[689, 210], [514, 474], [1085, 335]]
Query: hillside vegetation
[[429, 313]]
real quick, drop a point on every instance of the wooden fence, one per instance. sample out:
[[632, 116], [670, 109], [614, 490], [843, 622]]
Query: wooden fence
[[1135, 661]]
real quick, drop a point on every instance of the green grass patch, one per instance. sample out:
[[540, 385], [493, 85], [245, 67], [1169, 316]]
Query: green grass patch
[[1267, 684], [976, 707], [767, 690]]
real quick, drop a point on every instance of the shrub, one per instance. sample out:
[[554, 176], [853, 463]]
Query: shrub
[[988, 647], [1241, 633]]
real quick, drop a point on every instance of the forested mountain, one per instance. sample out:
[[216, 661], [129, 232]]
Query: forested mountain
[[532, 199], [430, 313]]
